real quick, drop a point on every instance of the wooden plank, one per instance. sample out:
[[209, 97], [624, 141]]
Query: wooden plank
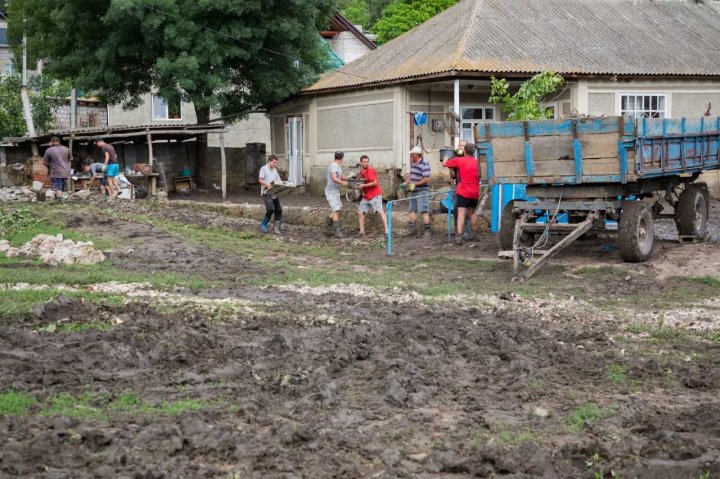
[[508, 149], [601, 145], [601, 166]]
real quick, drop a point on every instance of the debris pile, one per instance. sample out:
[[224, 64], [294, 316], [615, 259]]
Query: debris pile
[[55, 250], [18, 193]]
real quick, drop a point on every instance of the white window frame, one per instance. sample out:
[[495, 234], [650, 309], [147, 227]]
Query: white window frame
[[167, 109], [554, 105], [7, 69], [666, 113], [474, 122]]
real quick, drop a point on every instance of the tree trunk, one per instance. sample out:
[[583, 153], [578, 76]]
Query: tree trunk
[[204, 173]]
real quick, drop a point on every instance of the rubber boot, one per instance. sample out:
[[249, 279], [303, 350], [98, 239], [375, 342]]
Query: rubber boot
[[338, 229], [276, 228], [426, 231], [328, 226], [264, 224]]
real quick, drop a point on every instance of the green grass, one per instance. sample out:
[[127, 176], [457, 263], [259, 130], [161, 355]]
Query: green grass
[[13, 403], [587, 414], [16, 270], [18, 304], [616, 373], [89, 406], [712, 281]]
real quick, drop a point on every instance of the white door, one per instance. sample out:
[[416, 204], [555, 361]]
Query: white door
[[295, 149]]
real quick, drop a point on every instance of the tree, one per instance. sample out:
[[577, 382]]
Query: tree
[[44, 96], [357, 12], [399, 17], [525, 104], [365, 12], [222, 55]]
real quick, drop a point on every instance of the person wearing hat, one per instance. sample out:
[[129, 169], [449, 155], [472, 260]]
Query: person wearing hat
[[112, 169], [418, 188], [335, 179], [57, 158]]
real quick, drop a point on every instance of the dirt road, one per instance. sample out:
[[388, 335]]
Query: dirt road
[[250, 356]]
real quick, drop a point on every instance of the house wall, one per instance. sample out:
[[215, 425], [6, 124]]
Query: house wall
[[347, 47], [89, 115], [689, 99], [142, 115]]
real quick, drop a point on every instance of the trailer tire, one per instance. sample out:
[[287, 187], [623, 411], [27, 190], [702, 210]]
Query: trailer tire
[[507, 230], [635, 232], [691, 212]]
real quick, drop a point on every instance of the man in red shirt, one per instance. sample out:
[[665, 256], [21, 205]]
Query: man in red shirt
[[468, 189], [372, 195]]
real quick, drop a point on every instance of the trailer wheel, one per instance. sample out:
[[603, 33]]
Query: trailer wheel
[[507, 230], [691, 212], [635, 231]]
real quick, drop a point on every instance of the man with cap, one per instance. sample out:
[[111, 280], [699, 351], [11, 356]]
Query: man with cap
[[335, 179], [418, 188], [57, 158], [112, 169]]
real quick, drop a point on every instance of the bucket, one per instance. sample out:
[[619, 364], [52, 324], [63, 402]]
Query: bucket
[[38, 186]]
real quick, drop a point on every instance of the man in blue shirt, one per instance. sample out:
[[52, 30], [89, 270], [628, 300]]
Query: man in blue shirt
[[418, 188]]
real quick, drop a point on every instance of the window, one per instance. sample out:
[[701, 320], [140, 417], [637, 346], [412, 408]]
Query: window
[[552, 106], [643, 106], [471, 116], [8, 69], [162, 111]]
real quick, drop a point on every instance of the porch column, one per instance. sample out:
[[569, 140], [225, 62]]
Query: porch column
[[456, 106]]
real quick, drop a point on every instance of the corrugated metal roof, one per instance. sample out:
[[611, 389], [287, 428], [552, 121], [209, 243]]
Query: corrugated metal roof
[[572, 37]]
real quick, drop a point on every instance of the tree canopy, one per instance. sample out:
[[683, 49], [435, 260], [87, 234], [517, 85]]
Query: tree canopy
[[526, 103], [391, 18], [222, 55], [44, 95]]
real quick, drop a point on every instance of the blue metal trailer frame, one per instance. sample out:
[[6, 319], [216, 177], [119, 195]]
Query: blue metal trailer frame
[[651, 155]]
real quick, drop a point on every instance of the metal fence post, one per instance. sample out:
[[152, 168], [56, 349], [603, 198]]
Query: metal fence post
[[390, 225]]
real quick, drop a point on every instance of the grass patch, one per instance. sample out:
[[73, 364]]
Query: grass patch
[[91, 406], [80, 406], [14, 270], [587, 414], [616, 373], [13, 403], [712, 281], [18, 304]]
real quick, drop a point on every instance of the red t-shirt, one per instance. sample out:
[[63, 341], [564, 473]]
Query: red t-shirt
[[469, 186], [369, 175]]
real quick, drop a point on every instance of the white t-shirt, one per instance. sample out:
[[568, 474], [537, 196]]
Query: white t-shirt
[[269, 176]]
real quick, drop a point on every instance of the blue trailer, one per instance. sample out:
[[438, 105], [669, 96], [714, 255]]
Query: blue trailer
[[591, 170]]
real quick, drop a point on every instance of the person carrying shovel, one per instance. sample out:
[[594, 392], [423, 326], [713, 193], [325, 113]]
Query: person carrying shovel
[[57, 158]]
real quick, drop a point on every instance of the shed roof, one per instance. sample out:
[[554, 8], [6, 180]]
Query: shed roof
[[575, 38], [158, 131]]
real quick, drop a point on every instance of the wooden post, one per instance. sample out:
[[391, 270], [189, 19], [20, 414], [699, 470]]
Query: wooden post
[[150, 152], [223, 167]]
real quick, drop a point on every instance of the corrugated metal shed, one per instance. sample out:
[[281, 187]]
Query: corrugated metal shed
[[572, 37]]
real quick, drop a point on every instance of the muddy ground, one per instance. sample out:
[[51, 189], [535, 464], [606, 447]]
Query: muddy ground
[[299, 356]]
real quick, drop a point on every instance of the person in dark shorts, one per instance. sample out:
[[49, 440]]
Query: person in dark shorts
[[468, 190], [58, 158]]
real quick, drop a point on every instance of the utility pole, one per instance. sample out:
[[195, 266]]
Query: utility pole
[[27, 107]]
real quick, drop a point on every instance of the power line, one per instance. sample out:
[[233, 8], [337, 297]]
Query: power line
[[240, 40]]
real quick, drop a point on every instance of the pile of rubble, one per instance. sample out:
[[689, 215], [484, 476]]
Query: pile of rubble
[[55, 250], [17, 193]]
